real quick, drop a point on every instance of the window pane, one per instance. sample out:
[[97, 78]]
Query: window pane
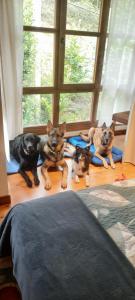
[[83, 14], [75, 107], [37, 109], [39, 13], [79, 59], [38, 59]]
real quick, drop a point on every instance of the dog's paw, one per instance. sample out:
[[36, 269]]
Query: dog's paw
[[87, 181], [48, 185], [113, 166], [106, 164], [64, 184], [77, 180], [36, 181], [29, 183]]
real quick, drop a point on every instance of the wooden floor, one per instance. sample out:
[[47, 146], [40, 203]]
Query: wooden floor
[[98, 175]]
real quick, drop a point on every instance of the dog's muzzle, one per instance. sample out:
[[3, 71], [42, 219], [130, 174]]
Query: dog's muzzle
[[105, 142], [54, 144], [30, 149]]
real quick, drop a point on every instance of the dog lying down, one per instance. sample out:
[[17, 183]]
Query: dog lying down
[[53, 151], [24, 148], [102, 138]]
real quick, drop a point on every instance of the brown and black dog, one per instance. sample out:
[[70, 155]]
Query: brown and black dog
[[53, 151], [81, 161], [102, 138]]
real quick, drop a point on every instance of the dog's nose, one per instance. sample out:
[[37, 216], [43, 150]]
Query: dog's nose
[[54, 144]]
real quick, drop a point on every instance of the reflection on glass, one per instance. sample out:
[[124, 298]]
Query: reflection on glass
[[38, 59], [40, 13], [83, 15], [80, 54], [75, 107], [37, 109]]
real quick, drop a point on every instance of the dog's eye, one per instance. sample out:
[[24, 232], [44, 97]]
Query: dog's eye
[[27, 139]]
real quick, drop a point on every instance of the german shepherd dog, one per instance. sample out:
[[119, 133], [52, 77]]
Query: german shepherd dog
[[102, 138], [24, 148], [53, 151], [81, 160]]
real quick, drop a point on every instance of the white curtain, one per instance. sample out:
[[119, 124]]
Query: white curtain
[[119, 71], [129, 151], [11, 65]]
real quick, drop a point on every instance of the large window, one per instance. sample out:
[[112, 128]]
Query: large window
[[64, 43]]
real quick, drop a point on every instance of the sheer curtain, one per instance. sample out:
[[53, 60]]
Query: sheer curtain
[[11, 65], [129, 151], [119, 71]]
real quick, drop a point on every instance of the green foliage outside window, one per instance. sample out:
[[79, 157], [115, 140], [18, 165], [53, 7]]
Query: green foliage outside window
[[37, 109]]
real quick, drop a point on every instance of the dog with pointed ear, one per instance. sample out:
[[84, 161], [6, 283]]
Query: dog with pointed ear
[[49, 126], [81, 160], [54, 153], [102, 138], [104, 126]]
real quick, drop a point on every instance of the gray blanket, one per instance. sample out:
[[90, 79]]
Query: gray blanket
[[61, 252]]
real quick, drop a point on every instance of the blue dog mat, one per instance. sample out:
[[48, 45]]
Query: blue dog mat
[[13, 166], [116, 153]]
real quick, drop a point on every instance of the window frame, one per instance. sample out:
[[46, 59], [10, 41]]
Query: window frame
[[60, 33]]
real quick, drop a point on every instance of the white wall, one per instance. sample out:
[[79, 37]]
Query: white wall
[[3, 175]]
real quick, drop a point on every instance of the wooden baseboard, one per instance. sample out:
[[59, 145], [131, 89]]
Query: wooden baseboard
[[5, 199]]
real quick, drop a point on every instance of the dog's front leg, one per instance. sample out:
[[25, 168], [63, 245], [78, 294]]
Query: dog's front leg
[[36, 179], [103, 159], [111, 160], [44, 170], [77, 180], [87, 179], [26, 177], [64, 165]]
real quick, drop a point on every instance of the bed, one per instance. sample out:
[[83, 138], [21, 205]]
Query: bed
[[61, 252]]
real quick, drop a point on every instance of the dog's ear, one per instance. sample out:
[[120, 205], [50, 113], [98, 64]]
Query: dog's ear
[[87, 148], [49, 126], [62, 128], [104, 126], [37, 138], [22, 139], [112, 126], [78, 148]]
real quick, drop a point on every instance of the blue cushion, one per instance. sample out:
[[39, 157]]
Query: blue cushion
[[13, 166], [116, 153]]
